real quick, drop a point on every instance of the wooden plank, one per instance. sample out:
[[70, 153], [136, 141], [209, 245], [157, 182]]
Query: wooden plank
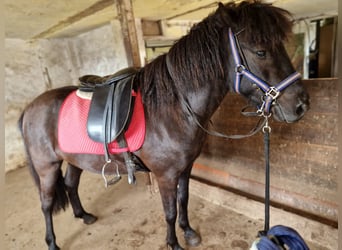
[[127, 20], [322, 87], [255, 210], [328, 210], [282, 151], [302, 175], [316, 128]]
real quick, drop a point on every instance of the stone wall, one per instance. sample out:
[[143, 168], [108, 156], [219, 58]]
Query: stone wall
[[32, 67]]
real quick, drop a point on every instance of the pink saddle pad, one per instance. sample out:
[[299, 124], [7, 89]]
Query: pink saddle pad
[[72, 128]]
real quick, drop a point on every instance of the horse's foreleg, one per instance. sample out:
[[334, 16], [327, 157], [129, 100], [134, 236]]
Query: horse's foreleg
[[192, 238], [72, 180], [168, 192]]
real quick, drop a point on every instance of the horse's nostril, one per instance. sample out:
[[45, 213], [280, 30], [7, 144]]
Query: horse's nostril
[[301, 109]]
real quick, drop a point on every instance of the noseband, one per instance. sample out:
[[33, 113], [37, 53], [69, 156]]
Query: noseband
[[271, 93]]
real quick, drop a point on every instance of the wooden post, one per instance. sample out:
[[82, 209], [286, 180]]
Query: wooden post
[[127, 20]]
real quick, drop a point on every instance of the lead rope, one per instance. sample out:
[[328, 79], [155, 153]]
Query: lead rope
[[278, 237], [267, 130]]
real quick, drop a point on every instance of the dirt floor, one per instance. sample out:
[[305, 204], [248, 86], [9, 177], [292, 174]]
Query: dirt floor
[[131, 217]]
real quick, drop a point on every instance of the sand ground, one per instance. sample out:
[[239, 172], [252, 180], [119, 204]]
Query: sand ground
[[131, 217]]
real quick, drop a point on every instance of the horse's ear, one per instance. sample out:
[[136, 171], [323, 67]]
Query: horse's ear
[[220, 5], [223, 11]]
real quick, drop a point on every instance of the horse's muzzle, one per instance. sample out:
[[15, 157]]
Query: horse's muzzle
[[289, 113]]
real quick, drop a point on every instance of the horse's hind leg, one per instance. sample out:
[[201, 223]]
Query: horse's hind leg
[[190, 235], [53, 198], [72, 180]]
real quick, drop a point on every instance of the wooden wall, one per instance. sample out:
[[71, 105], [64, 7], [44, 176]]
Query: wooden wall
[[303, 154]]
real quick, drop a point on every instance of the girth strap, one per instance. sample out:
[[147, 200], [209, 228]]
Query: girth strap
[[129, 162]]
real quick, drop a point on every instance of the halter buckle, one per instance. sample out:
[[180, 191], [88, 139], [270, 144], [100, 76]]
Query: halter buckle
[[273, 93]]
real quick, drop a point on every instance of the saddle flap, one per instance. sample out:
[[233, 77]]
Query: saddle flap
[[122, 108], [110, 110]]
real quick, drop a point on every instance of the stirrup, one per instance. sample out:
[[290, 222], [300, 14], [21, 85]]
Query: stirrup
[[115, 179]]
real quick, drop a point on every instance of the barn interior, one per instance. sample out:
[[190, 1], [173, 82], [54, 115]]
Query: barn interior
[[49, 44]]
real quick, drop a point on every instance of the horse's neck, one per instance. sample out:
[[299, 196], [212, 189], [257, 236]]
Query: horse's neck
[[207, 99]]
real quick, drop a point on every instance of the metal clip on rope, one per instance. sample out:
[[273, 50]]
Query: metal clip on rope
[[266, 128]]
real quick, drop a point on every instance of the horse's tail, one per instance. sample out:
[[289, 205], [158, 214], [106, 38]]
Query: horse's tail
[[61, 200]]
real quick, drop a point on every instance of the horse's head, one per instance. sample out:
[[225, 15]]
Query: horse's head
[[261, 67]]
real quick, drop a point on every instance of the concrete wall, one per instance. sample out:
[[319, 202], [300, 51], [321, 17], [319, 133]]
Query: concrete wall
[[100, 51], [32, 67]]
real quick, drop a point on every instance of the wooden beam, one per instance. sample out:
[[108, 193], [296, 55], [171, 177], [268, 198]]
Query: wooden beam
[[98, 6], [127, 20]]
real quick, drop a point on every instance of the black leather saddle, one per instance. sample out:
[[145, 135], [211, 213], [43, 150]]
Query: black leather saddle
[[110, 111], [111, 104]]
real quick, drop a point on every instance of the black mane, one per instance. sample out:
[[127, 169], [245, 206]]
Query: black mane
[[262, 23], [201, 56]]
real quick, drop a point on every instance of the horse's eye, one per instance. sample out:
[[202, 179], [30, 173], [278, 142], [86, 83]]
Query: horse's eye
[[261, 53]]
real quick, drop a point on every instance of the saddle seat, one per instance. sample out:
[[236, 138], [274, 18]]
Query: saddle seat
[[93, 81]]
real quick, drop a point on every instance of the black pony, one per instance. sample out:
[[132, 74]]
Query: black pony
[[180, 92]]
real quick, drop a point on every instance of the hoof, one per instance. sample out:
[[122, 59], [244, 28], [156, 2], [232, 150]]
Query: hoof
[[54, 247], [88, 218], [192, 238], [175, 247]]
